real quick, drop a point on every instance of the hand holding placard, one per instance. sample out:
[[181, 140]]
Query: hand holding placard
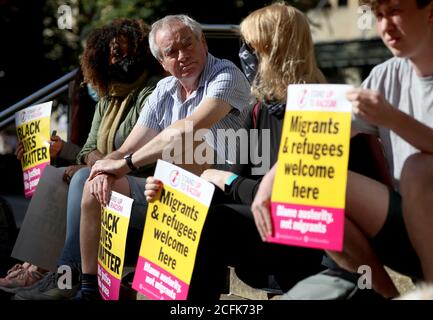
[[175, 218], [308, 196]]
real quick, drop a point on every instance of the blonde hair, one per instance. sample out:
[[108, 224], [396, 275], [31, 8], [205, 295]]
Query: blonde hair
[[281, 37]]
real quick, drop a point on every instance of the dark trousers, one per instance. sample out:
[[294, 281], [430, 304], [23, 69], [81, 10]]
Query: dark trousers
[[230, 238]]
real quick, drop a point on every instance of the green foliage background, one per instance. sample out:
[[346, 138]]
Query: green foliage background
[[64, 46]]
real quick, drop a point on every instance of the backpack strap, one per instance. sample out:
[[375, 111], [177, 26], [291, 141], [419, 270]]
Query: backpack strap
[[255, 114]]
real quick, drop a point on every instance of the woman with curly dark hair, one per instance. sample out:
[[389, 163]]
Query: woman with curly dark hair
[[116, 52], [118, 64]]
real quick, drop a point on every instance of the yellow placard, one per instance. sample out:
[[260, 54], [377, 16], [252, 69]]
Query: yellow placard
[[114, 228], [112, 243], [313, 157], [34, 135], [172, 232], [33, 131]]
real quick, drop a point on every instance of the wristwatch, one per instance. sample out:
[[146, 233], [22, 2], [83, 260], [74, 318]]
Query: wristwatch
[[229, 182], [128, 159]]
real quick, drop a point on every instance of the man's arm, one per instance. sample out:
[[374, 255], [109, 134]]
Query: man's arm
[[138, 137], [209, 112], [101, 186]]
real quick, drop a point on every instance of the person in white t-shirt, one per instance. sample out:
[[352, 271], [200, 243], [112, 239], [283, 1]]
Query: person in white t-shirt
[[390, 226]]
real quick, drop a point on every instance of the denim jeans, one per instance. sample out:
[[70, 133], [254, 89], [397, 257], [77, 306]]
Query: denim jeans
[[71, 255], [71, 250]]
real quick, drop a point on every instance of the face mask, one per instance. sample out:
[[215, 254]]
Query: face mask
[[249, 62], [92, 93], [126, 70]]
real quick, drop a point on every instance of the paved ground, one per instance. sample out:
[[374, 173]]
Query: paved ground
[[238, 290], [241, 291], [404, 284]]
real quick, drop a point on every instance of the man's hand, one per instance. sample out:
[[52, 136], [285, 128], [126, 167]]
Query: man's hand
[[56, 146], [262, 203], [217, 177], [151, 188], [100, 187], [115, 168], [371, 106]]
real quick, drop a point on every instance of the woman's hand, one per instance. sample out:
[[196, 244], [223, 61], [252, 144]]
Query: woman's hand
[[262, 204], [70, 171], [56, 146], [19, 151]]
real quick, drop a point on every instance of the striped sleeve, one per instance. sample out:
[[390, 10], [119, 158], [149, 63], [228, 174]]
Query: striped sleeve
[[230, 86]]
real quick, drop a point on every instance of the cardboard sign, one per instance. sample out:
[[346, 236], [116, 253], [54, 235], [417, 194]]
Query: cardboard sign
[[174, 223], [308, 196], [112, 243], [33, 130], [42, 234]]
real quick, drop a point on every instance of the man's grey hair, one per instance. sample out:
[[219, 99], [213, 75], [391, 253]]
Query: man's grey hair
[[166, 21]]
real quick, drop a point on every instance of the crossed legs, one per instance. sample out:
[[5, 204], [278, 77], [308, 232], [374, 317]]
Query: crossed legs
[[367, 203], [366, 211]]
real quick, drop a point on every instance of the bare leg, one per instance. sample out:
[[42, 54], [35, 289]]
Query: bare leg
[[367, 202], [366, 207], [357, 252], [90, 225], [417, 201]]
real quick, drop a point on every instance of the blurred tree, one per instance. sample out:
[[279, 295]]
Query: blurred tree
[[36, 44], [22, 62], [64, 46]]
